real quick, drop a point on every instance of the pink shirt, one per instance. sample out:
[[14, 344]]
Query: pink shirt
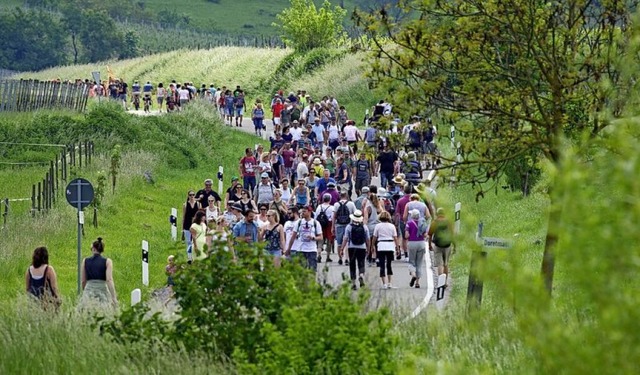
[[350, 132], [401, 204]]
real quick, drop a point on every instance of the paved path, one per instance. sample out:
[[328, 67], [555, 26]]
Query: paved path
[[403, 301]]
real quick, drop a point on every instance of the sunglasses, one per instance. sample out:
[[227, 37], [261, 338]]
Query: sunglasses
[[263, 209], [192, 195], [269, 215]]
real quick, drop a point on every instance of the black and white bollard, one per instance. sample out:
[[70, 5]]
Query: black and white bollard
[[145, 263]]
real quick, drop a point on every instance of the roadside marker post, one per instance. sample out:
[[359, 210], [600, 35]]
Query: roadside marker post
[[145, 263], [458, 152], [442, 285], [173, 219], [456, 226], [136, 297], [475, 286], [220, 179], [453, 136]]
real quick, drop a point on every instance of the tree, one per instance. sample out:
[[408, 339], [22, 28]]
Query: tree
[[305, 27], [515, 76], [130, 45], [99, 35]]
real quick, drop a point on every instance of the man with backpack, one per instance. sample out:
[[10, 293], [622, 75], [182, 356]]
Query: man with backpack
[[309, 232], [357, 240], [363, 170], [263, 193], [343, 210], [441, 232], [324, 216]]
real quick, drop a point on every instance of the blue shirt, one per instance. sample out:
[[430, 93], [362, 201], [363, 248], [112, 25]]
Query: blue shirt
[[322, 184], [148, 87], [241, 228]]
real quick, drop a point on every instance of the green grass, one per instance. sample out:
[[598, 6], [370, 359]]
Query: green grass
[[135, 212]]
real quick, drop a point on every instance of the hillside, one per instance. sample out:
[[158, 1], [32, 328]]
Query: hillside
[[252, 68]]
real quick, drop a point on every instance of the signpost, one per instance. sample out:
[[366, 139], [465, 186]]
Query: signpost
[[475, 286], [145, 263], [96, 78], [442, 285], [173, 219], [79, 193], [453, 136]]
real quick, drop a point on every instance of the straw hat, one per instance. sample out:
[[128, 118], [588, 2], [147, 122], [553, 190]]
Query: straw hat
[[398, 180], [357, 217]]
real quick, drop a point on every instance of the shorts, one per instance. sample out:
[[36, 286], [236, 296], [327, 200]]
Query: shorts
[[123, 97], [327, 233], [276, 121], [228, 111], [441, 255], [401, 227], [340, 233], [274, 253], [160, 100], [239, 111]]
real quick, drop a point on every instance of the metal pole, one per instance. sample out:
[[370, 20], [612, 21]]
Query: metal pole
[[79, 207]]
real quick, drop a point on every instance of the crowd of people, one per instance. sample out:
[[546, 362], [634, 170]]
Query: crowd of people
[[310, 193]]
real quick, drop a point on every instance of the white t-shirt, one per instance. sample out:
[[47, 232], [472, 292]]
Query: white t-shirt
[[327, 208], [350, 132], [286, 194], [296, 133], [334, 132], [212, 215], [302, 170], [385, 232], [289, 228], [184, 94], [307, 231]]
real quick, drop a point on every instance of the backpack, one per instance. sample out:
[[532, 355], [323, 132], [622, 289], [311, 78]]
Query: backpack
[[358, 234], [323, 219], [295, 114], [342, 214], [442, 234]]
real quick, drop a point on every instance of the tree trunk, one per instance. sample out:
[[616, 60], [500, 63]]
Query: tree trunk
[[551, 240], [75, 48]]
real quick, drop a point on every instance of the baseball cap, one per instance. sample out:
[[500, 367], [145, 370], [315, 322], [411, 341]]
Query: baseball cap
[[365, 189], [264, 175]]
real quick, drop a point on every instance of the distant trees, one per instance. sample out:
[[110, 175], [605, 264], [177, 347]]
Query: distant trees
[[306, 27]]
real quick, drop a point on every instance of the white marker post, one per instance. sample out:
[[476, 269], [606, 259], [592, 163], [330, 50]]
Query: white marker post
[[173, 219], [366, 117], [136, 297], [459, 152], [453, 136], [442, 285], [145, 263], [456, 227], [220, 179]]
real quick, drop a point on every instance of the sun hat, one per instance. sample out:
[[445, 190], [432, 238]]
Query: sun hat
[[234, 178], [357, 217], [264, 175], [398, 180], [317, 161]]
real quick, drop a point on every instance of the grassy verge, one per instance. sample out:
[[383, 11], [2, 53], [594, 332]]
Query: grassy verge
[[137, 211]]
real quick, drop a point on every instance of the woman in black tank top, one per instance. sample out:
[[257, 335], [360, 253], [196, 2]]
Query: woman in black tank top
[[97, 278], [191, 206], [41, 279]]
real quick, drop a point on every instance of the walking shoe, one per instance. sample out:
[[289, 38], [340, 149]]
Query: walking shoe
[[339, 262], [319, 259], [412, 282], [399, 256], [390, 286], [329, 260], [361, 282], [384, 286], [346, 262], [417, 286], [353, 286]]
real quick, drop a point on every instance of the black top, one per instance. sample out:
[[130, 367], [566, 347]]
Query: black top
[[386, 160], [37, 287], [95, 267], [204, 197], [189, 213]]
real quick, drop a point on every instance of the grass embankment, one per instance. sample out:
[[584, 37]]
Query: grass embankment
[[180, 150], [259, 71]]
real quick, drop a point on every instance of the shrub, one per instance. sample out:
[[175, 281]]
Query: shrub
[[265, 319]]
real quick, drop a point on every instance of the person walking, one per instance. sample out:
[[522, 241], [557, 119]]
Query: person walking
[[258, 119], [97, 278], [199, 231], [289, 228], [189, 209], [273, 234], [248, 167], [357, 240], [441, 232], [309, 232], [246, 230], [263, 193], [415, 235], [41, 279], [300, 196], [324, 216], [343, 210], [362, 170], [385, 243]]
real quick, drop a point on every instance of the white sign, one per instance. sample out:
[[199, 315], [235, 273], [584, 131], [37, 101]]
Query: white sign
[[442, 285], [496, 243], [136, 297], [145, 263], [81, 217], [453, 136], [220, 179]]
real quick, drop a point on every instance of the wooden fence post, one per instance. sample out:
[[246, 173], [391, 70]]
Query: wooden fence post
[[80, 154], [33, 200], [39, 196]]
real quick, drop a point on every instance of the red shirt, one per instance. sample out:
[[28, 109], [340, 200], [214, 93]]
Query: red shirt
[[288, 156], [401, 204], [277, 108], [249, 165]]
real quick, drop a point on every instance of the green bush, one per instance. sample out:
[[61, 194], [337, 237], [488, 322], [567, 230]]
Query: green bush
[[265, 319]]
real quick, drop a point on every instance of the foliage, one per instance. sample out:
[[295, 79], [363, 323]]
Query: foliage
[[265, 319], [522, 173], [512, 75], [24, 46], [305, 27], [130, 44], [98, 195]]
